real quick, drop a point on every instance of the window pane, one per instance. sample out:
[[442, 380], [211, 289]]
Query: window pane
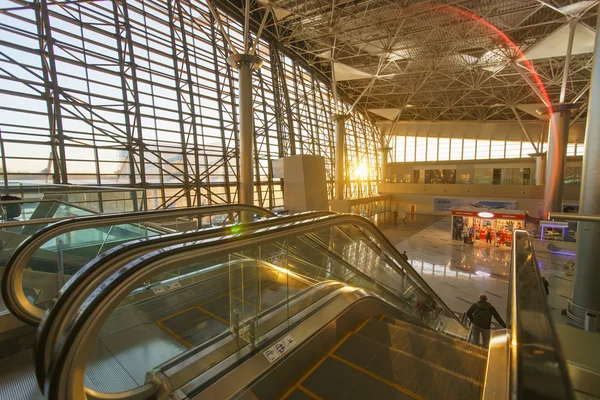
[[432, 144], [399, 149], [497, 149], [527, 149], [421, 149], [570, 149], [484, 176], [456, 149], [410, 148], [469, 149], [443, 149], [483, 149], [579, 149], [513, 149]]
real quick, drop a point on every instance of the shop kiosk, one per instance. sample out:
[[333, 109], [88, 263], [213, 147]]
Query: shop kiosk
[[489, 226]]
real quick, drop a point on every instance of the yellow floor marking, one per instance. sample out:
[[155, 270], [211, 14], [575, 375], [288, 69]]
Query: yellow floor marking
[[176, 314], [176, 336], [199, 307], [379, 378], [309, 393], [314, 367], [213, 299], [331, 354], [213, 315]]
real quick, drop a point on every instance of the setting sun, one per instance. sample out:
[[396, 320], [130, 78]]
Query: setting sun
[[361, 171]]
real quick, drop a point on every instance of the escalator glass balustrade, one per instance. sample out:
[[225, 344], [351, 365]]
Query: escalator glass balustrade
[[223, 298], [40, 264]]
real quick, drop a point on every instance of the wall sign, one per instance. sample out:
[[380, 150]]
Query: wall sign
[[441, 204]]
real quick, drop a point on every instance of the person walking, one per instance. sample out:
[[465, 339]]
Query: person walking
[[480, 314], [404, 217]]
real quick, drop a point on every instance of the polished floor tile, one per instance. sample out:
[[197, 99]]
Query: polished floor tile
[[459, 272]]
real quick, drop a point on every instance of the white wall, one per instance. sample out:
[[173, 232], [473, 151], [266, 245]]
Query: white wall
[[422, 196]]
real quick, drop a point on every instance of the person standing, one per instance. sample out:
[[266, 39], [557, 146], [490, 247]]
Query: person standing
[[404, 217], [546, 285], [404, 255], [480, 314], [488, 236]]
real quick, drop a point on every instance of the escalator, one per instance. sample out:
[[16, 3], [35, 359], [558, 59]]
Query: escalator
[[323, 307], [313, 264], [19, 266], [43, 262], [19, 219], [390, 358]]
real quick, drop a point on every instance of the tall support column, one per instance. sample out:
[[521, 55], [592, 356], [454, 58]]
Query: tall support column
[[558, 134], [245, 64], [540, 168], [586, 297], [385, 151], [340, 146]]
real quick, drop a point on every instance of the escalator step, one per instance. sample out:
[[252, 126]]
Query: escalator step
[[334, 379], [438, 352], [410, 372], [438, 335]]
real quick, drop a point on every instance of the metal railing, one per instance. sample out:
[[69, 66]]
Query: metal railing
[[12, 280], [573, 217], [77, 341], [537, 369], [95, 273]]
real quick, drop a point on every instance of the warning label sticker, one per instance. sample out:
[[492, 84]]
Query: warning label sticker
[[279, 348], [166, 288]]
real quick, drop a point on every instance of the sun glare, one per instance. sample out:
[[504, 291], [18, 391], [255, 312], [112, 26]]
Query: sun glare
[[361, 171]]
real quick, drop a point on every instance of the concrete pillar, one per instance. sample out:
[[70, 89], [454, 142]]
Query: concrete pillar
[[558, 134], [385, 151], [340, 146], [540, 168], [245, 64], [586, 296]]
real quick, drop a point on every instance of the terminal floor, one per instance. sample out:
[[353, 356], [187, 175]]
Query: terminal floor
[[459, 272], [122, 359]]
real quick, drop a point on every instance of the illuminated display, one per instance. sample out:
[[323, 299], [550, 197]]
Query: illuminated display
[[485, 215]]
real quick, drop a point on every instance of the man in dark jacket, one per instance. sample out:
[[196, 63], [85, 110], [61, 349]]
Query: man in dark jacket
[[480, 314]]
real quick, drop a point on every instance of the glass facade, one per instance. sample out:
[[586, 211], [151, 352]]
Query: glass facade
[[444, 149], [139, 93]]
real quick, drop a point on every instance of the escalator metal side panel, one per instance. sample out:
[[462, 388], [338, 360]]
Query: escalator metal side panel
[[184, 368], [259, 378], [496, 384], [584, 380]]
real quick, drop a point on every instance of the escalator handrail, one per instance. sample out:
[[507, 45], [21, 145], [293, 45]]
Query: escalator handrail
[[536, 363], [92, 274], [11, 283], [77, 341], [39, 221]]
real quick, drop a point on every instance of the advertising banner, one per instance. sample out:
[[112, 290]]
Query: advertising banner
[[446, 205]]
